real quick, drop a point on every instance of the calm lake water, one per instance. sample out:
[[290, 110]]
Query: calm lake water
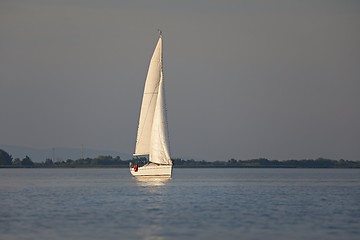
[[194, 204]]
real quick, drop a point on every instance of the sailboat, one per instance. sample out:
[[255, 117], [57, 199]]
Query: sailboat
[[152, 139]]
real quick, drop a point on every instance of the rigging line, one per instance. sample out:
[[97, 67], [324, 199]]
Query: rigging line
[[163, 85], [165, 108]]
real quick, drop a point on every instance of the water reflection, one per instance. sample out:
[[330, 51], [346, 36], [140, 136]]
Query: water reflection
[[152, 199], [152, 181]]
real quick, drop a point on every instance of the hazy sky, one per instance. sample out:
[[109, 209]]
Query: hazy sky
[[244, 79]]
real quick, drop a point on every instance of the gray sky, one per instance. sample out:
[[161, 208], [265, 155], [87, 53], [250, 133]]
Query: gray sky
[[244, 79]]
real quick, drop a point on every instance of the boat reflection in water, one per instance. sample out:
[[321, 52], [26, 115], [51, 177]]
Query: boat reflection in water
[[152, 181], [152, 197]]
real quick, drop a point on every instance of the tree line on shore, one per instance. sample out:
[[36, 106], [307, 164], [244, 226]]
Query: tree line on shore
[[6, 160]]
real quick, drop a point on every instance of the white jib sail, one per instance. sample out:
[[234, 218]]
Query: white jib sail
[[149, 102], [159, 152]]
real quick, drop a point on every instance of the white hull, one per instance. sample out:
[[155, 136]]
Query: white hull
[[151, 170]]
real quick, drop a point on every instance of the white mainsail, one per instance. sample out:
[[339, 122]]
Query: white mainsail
[[152, 137]]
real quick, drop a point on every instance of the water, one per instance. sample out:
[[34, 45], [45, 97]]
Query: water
[[194, 204]]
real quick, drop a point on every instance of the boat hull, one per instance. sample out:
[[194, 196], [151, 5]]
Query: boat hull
[[150, 170]]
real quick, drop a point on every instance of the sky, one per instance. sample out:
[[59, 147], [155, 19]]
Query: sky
[[244, 79]]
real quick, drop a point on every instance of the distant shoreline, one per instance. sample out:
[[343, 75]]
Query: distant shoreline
[[187, 167], [7, 161], [305, 164]]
